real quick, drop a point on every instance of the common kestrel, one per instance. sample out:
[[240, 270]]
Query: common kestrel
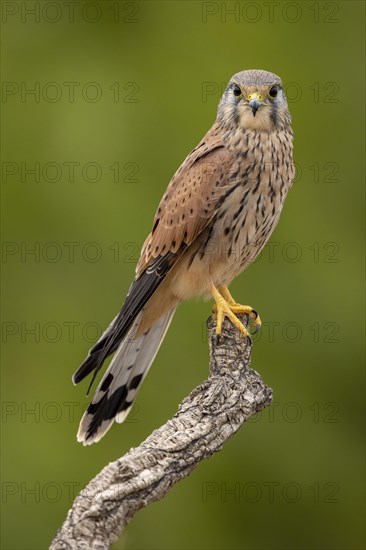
[[216, 215]]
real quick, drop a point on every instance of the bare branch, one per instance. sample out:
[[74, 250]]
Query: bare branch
[[207, 418]]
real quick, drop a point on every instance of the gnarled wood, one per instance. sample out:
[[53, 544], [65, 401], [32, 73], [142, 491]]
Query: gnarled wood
[[211, 414]]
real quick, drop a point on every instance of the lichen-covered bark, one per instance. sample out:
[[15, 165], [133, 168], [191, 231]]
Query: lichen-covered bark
[[211, 414]]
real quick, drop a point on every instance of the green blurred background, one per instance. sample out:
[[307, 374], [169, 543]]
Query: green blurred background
[[123, 91]]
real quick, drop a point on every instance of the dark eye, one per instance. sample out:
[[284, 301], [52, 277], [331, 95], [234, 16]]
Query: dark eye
[[236, 91], [273, 92]]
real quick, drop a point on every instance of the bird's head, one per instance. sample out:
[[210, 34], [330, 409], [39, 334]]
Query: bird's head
[[254, 100]]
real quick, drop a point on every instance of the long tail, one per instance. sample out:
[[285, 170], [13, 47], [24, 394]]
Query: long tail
[[115, 394], [141, 290]]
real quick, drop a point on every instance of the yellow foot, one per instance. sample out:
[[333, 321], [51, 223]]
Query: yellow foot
[[227, 307], [238, 308]]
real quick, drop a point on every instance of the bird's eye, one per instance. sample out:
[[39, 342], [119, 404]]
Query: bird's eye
[[236, 91], [273, 92]]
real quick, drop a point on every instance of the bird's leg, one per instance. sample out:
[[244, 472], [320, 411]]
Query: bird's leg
[[226, 306], [225, 293]]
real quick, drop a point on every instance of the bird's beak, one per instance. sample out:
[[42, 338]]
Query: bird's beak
[[255, 101]]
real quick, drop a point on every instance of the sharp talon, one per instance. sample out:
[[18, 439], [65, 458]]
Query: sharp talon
[[256, 329], [257, 324], [254, 313]]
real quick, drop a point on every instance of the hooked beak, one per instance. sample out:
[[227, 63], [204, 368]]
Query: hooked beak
[[255, 101]]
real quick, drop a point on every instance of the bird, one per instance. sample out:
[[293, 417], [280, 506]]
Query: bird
[[213, 220]]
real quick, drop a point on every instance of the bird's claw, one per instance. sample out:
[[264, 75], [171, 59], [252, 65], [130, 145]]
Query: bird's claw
[[256, 322], [226, 307]]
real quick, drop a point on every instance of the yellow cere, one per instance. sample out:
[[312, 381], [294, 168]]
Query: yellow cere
[[255, 96]]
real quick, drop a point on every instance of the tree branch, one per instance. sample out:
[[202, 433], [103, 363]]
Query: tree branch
[[207, 418]]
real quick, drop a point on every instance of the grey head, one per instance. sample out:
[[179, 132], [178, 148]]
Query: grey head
[[254, 100]]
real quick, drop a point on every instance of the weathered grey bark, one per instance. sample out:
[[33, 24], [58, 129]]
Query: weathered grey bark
[[211, 414]]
